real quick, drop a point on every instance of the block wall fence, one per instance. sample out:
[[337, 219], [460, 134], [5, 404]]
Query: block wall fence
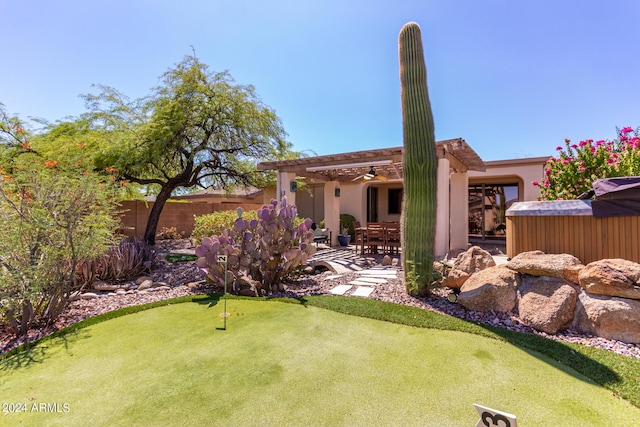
[[585, 237], [134, 214]]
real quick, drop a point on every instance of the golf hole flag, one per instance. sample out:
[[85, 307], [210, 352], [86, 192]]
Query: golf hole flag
[[493, 418]]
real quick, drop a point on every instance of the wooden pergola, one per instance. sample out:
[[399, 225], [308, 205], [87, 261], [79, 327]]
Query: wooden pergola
[[455, 158], [347, 167]]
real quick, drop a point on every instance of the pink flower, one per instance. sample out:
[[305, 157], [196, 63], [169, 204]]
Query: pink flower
[[536, 183], [582, 169], [574, 145], [559, 148], [592, 149], [547, 171], [610, 160], [626, 130], [583, 143], [546, 183], [600, 142]]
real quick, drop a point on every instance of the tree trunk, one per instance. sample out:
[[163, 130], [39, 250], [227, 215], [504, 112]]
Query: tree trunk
[[154, 215]]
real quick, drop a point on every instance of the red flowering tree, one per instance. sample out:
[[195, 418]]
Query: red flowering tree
[[576, 166], [53, 216]]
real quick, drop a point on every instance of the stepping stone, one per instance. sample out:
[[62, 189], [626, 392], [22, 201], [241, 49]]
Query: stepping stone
[[378, 272], [362, 283], [340, 289], [333, 276], [362, 291], [372, 279]]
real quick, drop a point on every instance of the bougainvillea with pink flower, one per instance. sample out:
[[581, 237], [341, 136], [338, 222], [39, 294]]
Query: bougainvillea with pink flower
[[576, 166]]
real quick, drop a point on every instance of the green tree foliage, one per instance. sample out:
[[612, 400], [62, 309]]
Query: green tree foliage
[[52, 218], [420, 164], [197, 128]]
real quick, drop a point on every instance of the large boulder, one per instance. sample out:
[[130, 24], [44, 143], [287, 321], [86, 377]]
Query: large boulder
[[608, 317], [537, 263], [469, 262], [615, 277], [547, 303], [491, 289]]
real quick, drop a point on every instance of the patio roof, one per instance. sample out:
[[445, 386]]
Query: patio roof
[[346, 167]]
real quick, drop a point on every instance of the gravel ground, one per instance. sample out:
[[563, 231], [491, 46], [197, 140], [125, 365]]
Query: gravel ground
[[185, 279]]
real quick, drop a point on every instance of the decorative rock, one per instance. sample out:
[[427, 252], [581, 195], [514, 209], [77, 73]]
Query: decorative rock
[[308, 270], [89, 295], [75, 296], [537, 263], [245, 285], [104, 286], [456, 279], [469, 262], [615, 277], [163, 288], [121, 292], [145, 284], [547, 304], [141, 279], [159, 284], [473, 260], [608, 317], [490, 289], [386, 260]]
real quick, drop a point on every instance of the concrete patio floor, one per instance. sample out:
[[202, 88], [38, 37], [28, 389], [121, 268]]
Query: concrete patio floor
[[345, 259]]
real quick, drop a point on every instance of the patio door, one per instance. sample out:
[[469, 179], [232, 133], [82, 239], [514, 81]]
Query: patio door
[[488, 204], [372, 204]]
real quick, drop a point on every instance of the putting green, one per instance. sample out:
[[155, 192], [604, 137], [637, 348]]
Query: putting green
[[286, 364]]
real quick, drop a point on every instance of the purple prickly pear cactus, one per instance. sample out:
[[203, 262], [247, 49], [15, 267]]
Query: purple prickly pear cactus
[[267, 249]]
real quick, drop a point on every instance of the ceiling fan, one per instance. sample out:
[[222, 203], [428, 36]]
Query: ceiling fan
[[372, 175]]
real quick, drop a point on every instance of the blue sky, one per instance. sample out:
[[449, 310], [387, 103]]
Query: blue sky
[[513, 78]]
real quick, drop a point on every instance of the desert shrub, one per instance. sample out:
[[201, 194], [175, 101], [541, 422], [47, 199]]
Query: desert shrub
[[346, 223], [266, 249], [123, 261], [216, 223], [168, 233], [52, 218]]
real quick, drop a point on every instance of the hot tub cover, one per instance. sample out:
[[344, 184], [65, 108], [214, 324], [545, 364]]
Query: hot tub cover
[[616, 197]]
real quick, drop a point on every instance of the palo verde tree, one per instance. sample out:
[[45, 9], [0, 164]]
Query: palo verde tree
[[420, 164], [197, 128]]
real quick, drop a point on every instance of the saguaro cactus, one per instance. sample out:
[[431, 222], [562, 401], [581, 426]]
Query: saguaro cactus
[[420, 164]]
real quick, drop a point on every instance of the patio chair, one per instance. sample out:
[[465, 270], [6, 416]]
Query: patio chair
[[321, 235], [375, 237], [392, 239]]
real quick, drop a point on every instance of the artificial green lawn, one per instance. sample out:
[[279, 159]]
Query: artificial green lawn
[[298, 364]]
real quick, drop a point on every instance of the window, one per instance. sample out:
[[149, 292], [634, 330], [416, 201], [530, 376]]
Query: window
[[395, 201]]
